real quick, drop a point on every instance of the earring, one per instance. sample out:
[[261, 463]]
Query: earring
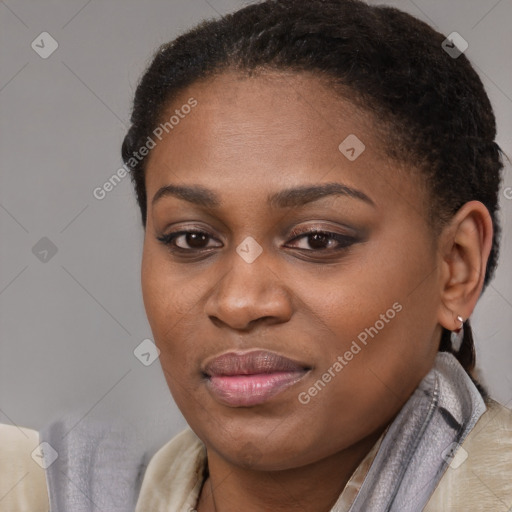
[[457, 335]]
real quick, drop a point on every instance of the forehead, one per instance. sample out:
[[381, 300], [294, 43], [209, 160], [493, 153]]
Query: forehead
[[266, 132]]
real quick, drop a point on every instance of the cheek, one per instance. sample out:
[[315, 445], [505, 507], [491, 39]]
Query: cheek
[[379, 316], [172, 299], [162, 300], [166, 301], [372, 353], [156, 292]]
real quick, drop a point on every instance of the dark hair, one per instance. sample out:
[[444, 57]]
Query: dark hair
[[434, 107]]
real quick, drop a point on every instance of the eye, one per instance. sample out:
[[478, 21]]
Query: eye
[[321, 240], [312, 240], [186, 240]]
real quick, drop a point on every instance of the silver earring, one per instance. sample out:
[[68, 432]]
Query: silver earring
[[457, 336]]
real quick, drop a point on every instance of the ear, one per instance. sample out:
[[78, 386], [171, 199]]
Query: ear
[[465, 244]]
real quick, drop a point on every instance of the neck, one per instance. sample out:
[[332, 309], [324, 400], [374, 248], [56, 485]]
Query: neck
[[311, 488]]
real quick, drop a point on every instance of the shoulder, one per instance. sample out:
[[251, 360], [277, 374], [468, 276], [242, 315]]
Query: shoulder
[[496, 418], [22, 478], [174, 475], [479, 477]]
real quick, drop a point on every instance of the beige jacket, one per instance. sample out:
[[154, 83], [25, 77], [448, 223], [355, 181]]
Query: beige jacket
[[479, 478]]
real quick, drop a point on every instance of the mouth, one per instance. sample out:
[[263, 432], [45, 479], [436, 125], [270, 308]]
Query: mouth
[[251, 378]]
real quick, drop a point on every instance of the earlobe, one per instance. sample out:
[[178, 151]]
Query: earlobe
[[464, 250], [457, 336]]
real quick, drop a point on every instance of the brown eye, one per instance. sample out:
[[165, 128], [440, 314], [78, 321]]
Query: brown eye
[[316, 240], [193, 240], [186, 240]]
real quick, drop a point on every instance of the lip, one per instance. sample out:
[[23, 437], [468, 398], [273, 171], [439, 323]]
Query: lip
[[244, 379]]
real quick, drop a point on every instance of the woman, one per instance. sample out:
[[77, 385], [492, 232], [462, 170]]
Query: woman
[[318, 183]]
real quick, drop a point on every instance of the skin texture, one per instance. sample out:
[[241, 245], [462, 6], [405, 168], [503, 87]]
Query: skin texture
[[249, 137]]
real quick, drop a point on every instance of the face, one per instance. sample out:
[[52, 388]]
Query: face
[[291, 285]]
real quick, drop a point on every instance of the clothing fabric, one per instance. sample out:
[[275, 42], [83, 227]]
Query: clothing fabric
[[22, 478], [413, 457], [100, 466], [479, 478], [446, 450]]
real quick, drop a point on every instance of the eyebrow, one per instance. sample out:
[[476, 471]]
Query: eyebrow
[[288, 198]]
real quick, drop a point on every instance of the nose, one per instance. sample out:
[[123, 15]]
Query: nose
[[249, 293]]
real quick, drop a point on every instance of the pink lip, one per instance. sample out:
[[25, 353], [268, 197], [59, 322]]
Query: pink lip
[[251, 378]]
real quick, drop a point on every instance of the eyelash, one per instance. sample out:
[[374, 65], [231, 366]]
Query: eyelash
[[344, 241]]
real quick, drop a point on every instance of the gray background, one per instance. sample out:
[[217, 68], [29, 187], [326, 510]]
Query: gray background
[[69, 325]]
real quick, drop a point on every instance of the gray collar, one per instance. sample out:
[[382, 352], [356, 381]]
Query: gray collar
[[99, 468], [421, 441]]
